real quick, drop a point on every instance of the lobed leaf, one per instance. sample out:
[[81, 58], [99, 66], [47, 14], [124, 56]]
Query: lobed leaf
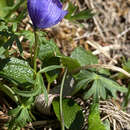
[[84, 57], [70, 63]]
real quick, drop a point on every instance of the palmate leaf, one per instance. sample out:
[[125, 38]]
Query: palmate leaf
[[73, 15], [7, 33], [80, 85], [13, 7], [85, 14], [23, 118], [11, 39], [71, 10], [100, 85], [111, 86], [48, 49], [20, 117], [83, 79]]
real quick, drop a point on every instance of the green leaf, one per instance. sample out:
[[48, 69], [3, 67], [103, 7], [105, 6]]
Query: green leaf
[[41, 84], [29, 35], [15, 111], [8, 91], [126, 66], [84, 74], [73, 116], [99, 86], [107, 124], [48, 49], [28, 101], [20, 118], [18, 43], [2, 50], [11, 38], [85, 14], [94, 121], [16, 70], [14, 7], [38, 88], [21, 16], [83, 79], [52, 74], [24, 93], [70, 63], [127, 97], [3, 5], [49, 68], [103, 71], [73, 15], [3, 25], [84, 57], [9, 42], [112, 86], [71, 9], [80, 85], [91, 91]]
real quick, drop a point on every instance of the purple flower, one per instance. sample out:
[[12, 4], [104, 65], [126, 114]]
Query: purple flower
[[45, 13]]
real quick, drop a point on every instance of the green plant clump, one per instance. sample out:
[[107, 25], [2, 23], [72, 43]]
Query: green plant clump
[[22, 79]]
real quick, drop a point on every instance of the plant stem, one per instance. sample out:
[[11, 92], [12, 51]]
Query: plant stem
[[61, 110], [35, 51], [127, 97], [48, 87]]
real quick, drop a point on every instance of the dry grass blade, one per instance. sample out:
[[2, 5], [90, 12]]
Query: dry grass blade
[[116, 116]]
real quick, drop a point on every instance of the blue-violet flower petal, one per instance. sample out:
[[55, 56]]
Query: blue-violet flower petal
[[45, 13]]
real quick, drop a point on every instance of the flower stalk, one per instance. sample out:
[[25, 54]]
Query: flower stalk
[[36, 47], [61, 94]]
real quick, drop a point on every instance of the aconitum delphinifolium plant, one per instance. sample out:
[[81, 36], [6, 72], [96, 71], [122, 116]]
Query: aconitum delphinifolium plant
[[37, 93], [45, 13]]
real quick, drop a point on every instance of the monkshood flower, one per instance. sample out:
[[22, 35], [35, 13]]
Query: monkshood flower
[[45, 13]]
